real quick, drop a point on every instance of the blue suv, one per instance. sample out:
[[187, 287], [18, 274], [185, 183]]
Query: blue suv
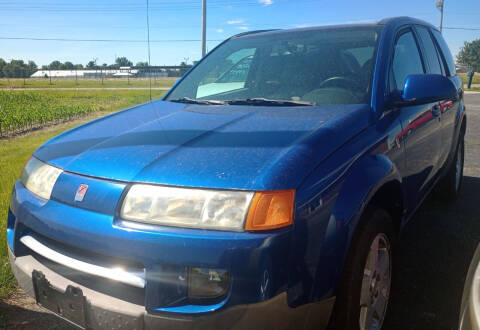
[[265, 190]]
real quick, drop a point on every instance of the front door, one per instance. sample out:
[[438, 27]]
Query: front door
[[421, 125]]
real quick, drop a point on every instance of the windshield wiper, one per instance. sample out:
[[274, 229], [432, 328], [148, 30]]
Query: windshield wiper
[[263, 101], [198, 101]]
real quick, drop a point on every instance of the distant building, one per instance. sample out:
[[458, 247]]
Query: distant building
[[123, 72], [461, 68], [152, 72]]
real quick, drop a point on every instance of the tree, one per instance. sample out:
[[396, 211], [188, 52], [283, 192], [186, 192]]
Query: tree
[[78, 66], [55, 65], [469, 54], [123, 61], [142, 64], [2, 65], [15, 69], [91, 65], [68, 66], [32, 67]]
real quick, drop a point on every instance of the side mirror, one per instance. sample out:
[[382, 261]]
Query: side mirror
[[425, 88]]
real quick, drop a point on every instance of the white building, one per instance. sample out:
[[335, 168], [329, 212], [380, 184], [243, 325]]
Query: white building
[[123, 72]]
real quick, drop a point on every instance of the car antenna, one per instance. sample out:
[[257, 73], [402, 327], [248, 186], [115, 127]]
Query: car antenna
[[148, 44]]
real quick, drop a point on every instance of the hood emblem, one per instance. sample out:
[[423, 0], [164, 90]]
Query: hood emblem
[[81, 191]]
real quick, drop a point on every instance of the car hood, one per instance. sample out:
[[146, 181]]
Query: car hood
[[233, 147]]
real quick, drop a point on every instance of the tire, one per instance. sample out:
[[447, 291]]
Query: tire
[[376, 225], [449, 186]]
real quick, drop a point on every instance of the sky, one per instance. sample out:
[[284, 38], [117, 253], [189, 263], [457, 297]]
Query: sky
[[175, 26]]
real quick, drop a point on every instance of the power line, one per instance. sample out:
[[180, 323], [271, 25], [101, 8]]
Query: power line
[[461, 28], [104, 40], [128, 7], [74, 8]]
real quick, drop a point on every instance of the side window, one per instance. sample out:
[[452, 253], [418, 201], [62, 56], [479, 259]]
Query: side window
[[447, 56], [430, 50], [406, 60], [440, 58]]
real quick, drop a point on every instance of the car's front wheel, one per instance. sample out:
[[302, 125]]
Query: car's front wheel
[[365, 285]]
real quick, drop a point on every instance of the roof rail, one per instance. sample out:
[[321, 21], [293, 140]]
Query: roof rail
[[252, 32]]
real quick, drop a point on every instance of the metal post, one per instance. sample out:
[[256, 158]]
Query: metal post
[[148, 41], [440, 6], [204, 26]]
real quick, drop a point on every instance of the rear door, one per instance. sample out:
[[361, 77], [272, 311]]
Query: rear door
[[421, 133], [434, 65], [449, 108]]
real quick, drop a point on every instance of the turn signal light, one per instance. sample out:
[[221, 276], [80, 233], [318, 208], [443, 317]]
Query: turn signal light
[[271, 210]]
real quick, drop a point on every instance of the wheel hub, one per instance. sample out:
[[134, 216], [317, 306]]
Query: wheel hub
[[376, 282]]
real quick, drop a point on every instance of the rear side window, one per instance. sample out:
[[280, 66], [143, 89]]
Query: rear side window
[[430, 51], [406, 60], [447, 56]]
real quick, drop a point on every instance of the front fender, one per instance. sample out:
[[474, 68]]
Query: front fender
[[326, 223], [363, 180]]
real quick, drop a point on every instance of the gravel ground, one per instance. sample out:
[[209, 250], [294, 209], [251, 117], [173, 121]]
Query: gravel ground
[[433, 256]]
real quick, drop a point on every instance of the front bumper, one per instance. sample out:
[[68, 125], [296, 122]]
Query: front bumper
[[91, 232], [107, 312]]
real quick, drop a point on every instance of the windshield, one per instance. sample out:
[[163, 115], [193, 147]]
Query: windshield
[[323, 66]]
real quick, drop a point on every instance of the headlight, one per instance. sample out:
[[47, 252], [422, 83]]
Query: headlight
[[183, 207], [208, 209], [39, 177]]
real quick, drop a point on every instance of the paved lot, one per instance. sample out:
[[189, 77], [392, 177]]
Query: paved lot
[[432, 260]]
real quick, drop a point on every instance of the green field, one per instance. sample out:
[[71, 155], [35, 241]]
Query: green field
[[15, 151], [476, 78], [22, 111], [87, 83]]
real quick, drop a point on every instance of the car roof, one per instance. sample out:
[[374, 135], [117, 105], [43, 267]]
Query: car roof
[[383, 22]]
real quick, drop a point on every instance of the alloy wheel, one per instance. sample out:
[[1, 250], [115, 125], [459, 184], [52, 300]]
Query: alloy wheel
[[376, 283]]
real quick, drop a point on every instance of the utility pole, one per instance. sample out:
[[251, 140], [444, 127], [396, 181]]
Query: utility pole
[[440, 7], [148, 43], [204, 27]]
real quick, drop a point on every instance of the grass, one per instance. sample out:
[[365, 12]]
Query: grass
[[15, 151], [475, 80], [87, 83]]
